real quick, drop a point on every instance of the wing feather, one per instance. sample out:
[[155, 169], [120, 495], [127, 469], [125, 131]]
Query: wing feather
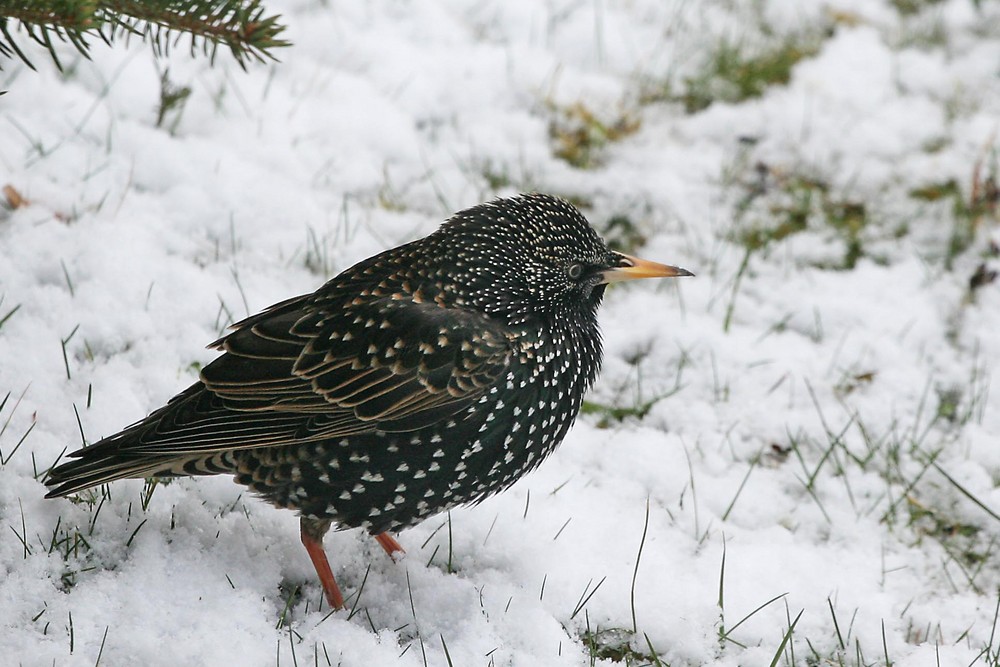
[[287, 376]]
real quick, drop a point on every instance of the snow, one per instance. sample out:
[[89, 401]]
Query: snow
[[795, 455]]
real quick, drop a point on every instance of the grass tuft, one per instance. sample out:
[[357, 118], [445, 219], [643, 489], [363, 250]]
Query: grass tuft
[[622, 234], [293, 597], [173, 98], [785, 642], [585, 596], [910, 7], [795, 203], [735, 72], [579, 136], [968, 211]]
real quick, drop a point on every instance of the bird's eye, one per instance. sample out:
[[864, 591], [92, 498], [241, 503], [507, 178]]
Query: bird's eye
[[575, 271]]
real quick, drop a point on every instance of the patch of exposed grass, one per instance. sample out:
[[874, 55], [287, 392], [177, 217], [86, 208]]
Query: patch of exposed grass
[[795, 203], [969, 548], [908, 7], [173, 99], [639, 404], [579, 135], [735, 72], [622, 234], [777, 205], [610, 414], [968, 211], [616, 645], [497, 176], [71, 542], [907, 457]]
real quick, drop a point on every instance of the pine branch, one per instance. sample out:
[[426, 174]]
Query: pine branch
[[240, 25], [68, 21]]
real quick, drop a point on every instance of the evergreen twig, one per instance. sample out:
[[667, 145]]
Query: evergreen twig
[[240, 25]]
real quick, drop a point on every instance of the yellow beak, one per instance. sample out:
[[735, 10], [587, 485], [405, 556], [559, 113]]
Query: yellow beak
[[632, 268]]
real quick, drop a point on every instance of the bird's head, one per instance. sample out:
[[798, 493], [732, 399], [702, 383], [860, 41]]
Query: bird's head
[[535, 256]]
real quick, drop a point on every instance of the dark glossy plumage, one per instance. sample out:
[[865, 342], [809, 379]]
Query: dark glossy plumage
[[431, 375]]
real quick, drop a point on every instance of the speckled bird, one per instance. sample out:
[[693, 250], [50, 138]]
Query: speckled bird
[[432, 375]]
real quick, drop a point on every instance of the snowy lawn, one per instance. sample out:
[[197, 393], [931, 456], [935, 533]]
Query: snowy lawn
[[793, 458]]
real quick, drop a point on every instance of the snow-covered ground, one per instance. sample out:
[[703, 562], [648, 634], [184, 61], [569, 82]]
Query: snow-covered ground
[[809, 421]]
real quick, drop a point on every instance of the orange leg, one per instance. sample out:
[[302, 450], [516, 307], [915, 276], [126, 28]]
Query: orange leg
[[389, 544], [312, 533]]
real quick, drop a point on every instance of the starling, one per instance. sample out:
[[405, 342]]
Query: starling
[[432, 375]]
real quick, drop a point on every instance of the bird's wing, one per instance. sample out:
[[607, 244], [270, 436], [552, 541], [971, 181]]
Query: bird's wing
[[300, 372], [391, 362]]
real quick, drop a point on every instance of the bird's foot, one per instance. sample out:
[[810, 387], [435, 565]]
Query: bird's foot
[[390, 545], [312, 532]]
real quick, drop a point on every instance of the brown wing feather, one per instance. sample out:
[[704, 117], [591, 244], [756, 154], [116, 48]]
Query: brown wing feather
[[299, 373], [387, 364]]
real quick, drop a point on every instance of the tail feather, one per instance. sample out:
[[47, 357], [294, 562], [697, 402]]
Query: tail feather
[[85, 473], [126, 455]]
